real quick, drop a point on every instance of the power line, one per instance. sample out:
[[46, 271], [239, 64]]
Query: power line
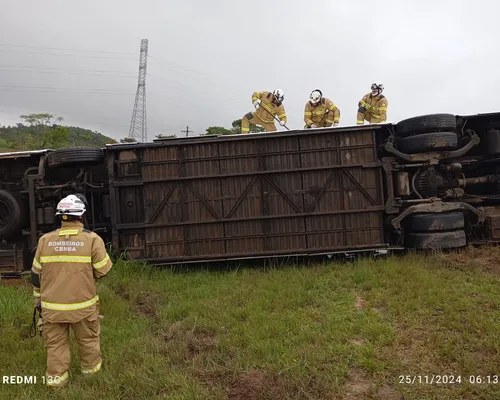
[[64, 73], [58, 90], [66, 55], [50, 87], [182, 69], [181, 66], [66, 49], [62, 68], [74, 115], [195, 91], [173, 102]]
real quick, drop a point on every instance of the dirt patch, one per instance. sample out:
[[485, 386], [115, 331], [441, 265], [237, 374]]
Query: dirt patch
[[199, 341], [121, 291], [388, 393], [257, 385], [146, 306], [485, 258], [382, 311], [357, 342], [358, 385], [195, 340], [13, 282], [261, 384], [359, 303], [175, 330]]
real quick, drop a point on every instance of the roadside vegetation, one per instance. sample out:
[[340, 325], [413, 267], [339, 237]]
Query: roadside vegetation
[[44, 131], [343, 330]]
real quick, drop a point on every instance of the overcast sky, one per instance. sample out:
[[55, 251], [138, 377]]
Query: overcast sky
[[79, 60]]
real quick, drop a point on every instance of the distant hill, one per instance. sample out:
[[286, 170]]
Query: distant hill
[[23, 137]]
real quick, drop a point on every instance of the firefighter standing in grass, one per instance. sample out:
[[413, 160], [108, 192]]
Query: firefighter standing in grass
[[320, 111], [373, 106], [268, 105], [66, 263]]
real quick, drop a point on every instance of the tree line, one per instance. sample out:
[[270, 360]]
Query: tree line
[[44, 131]]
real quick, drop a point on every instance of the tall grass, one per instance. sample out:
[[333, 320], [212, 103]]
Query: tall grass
[[293, 332]]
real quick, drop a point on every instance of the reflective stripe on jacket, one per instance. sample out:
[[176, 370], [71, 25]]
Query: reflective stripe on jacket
[[66, 264]]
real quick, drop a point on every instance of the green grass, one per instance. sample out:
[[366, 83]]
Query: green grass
[[340, 330]]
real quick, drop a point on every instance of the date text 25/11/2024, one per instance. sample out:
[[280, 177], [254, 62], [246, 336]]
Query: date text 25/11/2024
[[448, 379], [28, 379]]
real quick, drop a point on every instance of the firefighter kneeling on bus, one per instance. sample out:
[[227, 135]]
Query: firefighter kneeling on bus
[[67, 262], [373, 106], [320, 111]]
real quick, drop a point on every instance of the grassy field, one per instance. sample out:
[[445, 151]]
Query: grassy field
[[332, 331]]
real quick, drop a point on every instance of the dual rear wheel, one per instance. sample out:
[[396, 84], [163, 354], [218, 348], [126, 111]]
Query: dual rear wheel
[[427, 133]]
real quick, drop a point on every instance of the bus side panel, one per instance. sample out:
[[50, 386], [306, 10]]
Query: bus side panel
[[314, 192]]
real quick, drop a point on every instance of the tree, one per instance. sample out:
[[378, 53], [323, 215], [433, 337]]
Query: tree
[[161, 136], [218, 130], [50, 138], [253, 128], [56, 138], [39, 131], [47, 135], [127, 140], [40, 119]]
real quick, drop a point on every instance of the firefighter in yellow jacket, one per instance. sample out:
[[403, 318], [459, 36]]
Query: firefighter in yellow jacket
[[66, 263], [373, 106], [268, 106], [320, 111]]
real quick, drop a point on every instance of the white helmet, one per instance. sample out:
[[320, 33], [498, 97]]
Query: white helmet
[[377, 88], [278, 94], [316, 96], [71, 205]]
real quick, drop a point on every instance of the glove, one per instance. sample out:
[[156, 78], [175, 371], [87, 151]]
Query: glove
[[256, 103], [39, 325], [282, 123], [313, 126], [335, 124], [365, 105], [38, 302]]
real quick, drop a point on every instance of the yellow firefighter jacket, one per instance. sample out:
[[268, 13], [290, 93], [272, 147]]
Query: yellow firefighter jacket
[[323, 114], [66, 263], [376, 109], [267, 109]]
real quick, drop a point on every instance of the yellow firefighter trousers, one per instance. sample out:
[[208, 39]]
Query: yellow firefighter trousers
[[56, 338], [251, 117]]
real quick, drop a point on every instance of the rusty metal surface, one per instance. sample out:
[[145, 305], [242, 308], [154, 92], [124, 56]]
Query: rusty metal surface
[[492, 222], [435, 205], [11, 258], [253, 196], [19, 154], [402, 184], [433, 158]]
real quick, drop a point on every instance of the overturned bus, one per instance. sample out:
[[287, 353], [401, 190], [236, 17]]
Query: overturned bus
[[431, 181]]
